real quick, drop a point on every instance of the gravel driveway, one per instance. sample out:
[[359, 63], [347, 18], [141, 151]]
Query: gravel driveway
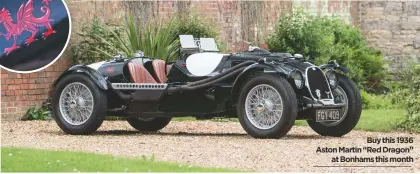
[[211, 144]]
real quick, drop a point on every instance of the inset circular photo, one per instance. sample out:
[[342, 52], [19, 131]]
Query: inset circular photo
[[33, 33]]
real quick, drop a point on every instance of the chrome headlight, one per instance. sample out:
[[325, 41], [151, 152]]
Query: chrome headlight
[[332, 78], [297, 78]]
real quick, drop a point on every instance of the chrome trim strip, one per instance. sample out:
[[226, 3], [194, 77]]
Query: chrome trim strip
[[138, 86], [327, 101], [323, 106]]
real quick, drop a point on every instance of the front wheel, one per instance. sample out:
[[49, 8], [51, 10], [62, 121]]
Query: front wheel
[[149, 124], [79, 106], [346, 92], [267, 106]]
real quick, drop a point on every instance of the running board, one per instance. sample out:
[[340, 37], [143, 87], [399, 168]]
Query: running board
[[139, 86]]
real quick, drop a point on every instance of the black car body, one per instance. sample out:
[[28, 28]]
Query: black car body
[[294, 87]]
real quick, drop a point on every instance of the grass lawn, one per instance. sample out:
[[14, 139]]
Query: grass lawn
[[379, 120], [33, 160]]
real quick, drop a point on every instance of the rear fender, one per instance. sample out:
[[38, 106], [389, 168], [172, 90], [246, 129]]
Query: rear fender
[[249, 71], [93, 74]]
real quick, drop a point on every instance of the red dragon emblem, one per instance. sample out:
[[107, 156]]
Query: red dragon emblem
[[25, 21]]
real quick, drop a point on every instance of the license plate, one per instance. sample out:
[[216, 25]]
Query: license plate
[[327, 115]]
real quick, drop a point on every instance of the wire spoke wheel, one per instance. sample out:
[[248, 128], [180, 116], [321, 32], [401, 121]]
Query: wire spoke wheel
[[264, 106], [340, 96], [267, 107], [76, 103]]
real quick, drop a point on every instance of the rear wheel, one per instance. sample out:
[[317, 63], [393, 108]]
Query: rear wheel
[[346, 92], [267, 106], [79, 106], [149, 124]]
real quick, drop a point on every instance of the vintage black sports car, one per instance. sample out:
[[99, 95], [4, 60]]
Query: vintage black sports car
[[266, 91]]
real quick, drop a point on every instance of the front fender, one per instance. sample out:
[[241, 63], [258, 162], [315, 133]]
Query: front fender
[[256, 67], [94, 74]]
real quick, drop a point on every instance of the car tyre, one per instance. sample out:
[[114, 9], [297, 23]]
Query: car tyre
[[98, 107], [149, 124], [354, 111], [276, 85]]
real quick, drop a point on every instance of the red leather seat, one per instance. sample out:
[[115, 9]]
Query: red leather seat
[[159, 68], [139, 74]]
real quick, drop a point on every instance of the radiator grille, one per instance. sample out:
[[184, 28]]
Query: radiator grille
[[317, 83]]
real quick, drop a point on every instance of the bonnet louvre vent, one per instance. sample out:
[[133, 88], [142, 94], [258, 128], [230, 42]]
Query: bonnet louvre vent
[[138, 86]]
